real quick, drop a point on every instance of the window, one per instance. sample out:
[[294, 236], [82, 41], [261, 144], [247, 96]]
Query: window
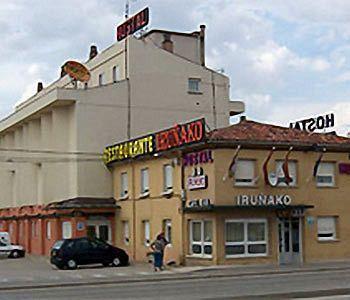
[[33, 228], [116, 74], [194, 85], [326, 228], [201, 241], [144, 181], [123, 185], [167, 177], [66, 230], [292, 168], [146, 233], [245, 172], [246, 237], [48, 230], [325, 174], [126, 232], [101, 79], [167, 230]]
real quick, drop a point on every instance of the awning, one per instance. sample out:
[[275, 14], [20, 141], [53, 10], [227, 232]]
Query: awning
[[220, 208], [84, 202]]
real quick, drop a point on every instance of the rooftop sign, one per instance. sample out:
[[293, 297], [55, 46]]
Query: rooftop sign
[[177, 136], [133, 24], [311, 124]]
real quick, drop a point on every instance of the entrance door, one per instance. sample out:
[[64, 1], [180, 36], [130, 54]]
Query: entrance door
[[289, 236], [100, 229]]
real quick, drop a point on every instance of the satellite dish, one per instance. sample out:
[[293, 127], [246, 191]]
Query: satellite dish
[[273, 178], [77, 71]]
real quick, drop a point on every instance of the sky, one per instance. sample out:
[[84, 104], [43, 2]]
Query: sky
[[287, 60]]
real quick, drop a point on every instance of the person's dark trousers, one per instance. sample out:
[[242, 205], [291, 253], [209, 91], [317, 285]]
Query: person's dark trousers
[[158, 260]]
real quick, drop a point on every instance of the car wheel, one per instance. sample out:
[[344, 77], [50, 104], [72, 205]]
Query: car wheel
[[71, 264], [116, 262], [106, 264], [14, 254]]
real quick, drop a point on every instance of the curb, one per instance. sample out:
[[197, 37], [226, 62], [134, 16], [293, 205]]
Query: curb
[[184, 276]]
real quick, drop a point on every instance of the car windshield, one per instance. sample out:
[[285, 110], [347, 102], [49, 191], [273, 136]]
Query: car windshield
[[58, 244]]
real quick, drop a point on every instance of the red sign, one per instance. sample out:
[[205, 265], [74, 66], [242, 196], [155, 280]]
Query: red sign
[[133, 24], [180, 135]]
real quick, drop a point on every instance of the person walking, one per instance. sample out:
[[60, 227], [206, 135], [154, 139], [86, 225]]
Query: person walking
[[158, 247]]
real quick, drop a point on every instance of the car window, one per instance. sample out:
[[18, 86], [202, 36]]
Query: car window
[[98, 244], [82, 244], [58, 244]]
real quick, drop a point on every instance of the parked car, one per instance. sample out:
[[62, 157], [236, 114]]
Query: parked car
[[70, 253], [8, 249]]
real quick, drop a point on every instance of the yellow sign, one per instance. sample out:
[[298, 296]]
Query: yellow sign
[[130, 149]]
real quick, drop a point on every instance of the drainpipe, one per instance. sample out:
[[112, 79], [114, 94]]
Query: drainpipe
[[133, 211], [214, 100], [183, 205]]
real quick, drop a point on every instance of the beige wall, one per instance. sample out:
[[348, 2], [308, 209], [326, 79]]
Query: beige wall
[[327, 201], [62, 130]]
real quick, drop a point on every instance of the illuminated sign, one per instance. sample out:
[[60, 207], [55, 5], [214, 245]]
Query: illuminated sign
[[177, 136], [133, 24], [198, 180], [201, 157], [263, 200], [344, 168], [203, 203], [312, 124]]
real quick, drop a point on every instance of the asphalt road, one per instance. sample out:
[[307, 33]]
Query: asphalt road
[[311, 285]]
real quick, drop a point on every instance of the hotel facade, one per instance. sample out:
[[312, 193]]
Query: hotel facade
[[245, 194], [53, 182]]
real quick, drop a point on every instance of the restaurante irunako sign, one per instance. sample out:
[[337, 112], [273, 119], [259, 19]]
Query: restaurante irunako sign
[[174, 137]]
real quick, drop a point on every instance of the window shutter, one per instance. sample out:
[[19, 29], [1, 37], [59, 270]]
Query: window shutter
[[245, 172]]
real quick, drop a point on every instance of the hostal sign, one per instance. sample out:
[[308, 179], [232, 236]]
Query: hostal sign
[[263, 200], [177, 136]]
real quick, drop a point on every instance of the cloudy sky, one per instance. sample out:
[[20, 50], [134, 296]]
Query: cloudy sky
[[286, 59]]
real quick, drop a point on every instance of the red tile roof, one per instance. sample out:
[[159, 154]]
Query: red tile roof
[[252, 131]]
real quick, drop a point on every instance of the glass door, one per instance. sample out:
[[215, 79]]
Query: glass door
[[289, 240], [99, 229]]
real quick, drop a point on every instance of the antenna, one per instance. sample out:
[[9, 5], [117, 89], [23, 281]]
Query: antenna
[[126, 9]]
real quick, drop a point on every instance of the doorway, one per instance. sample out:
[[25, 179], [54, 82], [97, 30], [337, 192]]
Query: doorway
[[99, 229], [289, 240]]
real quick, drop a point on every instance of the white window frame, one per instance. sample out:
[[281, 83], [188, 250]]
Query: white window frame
[[146, 233], [168, 178], [116, 74], [334, 233], [252, 179], [101, 79], [324, 173], [144, 186], [192, 82], [124, 185], [167, 229], [202, 242], [292, 164], [48, 230], [246, 243], [126, 232], [67, 230]]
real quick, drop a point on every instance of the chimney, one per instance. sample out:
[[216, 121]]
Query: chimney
[[202, 44], [93, 51], [39, 87], [243, 118], [167, 43]]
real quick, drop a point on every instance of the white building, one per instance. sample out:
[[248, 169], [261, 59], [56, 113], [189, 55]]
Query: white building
[[51, 144]]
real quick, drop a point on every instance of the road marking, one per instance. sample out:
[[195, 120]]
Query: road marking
[[144, 273], [99, 276], [4, 280], [120, 274], [334, 297]]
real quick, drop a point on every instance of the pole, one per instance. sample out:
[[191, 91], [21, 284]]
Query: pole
[[128, 130]]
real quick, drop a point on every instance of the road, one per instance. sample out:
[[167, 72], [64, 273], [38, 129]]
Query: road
[[311, 285]]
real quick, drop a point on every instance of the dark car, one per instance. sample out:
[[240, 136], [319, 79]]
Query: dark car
[[69, 253]]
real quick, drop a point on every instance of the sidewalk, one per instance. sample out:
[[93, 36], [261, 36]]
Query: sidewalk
[[36, 272]]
